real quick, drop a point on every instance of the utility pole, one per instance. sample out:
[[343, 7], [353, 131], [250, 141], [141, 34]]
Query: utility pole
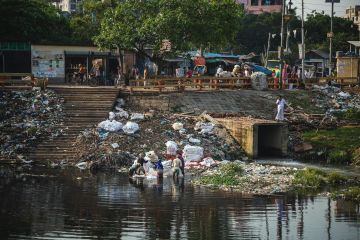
[[302, 43], [281, 50], [331, 36]]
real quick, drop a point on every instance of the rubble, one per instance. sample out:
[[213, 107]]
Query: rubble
[[26, 117]]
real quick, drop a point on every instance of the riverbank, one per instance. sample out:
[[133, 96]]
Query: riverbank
[[132, 129]]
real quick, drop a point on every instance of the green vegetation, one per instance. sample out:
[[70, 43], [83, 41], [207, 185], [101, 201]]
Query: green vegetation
[[350, 114], [228, 176], [310, 178], [351, 193], [341, 143], [303, 99]]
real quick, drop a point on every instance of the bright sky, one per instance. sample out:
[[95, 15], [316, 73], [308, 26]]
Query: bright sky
[[320, 5]]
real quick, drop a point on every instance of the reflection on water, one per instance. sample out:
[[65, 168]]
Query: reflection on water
[[72, 205]]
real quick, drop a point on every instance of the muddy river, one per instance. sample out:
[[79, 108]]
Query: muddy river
[[74, 205]]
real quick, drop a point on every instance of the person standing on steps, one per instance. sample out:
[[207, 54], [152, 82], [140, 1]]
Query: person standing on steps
[[281, 103]]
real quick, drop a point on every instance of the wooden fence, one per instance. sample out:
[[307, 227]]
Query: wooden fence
[[15, 79], [214, 83]]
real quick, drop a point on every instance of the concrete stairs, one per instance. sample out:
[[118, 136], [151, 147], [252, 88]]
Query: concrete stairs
[[84, 108]]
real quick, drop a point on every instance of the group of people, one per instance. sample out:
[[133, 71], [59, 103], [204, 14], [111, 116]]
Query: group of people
[[242, 70], [155, 165]]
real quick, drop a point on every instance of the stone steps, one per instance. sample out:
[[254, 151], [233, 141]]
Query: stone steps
[[83, 108]]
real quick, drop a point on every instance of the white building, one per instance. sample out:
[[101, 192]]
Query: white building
[[67, 5]]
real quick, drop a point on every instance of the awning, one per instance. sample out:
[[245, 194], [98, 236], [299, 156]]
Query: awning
[[355, 43], [87, 53]]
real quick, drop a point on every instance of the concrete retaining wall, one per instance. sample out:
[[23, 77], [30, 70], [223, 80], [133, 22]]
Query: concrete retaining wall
[[258, 137]]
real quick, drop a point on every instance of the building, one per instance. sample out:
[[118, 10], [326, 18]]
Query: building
[[317, 62], [67, 5], [261, 6], [353, 14]]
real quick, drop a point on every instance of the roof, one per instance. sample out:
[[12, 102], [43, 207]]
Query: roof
[[213, 55], [355, 43], [320, 53]]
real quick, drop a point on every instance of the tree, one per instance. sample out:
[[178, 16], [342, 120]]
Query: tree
[[34, 21], [184, 23], [317, 26]]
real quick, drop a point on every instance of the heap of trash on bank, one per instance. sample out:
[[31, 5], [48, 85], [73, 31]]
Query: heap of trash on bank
[[117, 141], [26, 117]]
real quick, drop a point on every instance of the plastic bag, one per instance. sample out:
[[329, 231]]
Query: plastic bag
[[151, 157], [177, 126], [131, 127], [111, 115], [121, 113], [110, 126], [204, 128], [208, 162], [259, 81], [120, 102], [137, 116], [193, 153], [171, 147], [194, 140]]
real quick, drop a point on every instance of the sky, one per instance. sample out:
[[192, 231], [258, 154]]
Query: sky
[[319, 5]]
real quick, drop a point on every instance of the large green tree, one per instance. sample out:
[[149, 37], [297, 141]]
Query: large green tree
[[317, 26], [143, 25], [35, 21]]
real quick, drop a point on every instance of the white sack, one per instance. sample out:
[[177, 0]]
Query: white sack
[[110, 126], [131, 127], [193, 153], [171, 147]]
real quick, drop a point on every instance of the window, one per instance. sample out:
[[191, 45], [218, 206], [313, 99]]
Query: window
[[270, 2], [73, 7], [254, 2]]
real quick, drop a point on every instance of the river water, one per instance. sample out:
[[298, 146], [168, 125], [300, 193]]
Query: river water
[[68, 204]]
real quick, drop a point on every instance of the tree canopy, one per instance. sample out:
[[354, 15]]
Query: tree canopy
[[33, 21], [187, 24]]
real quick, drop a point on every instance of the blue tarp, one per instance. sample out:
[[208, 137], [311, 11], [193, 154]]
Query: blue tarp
[[213, 55], [257, 68]]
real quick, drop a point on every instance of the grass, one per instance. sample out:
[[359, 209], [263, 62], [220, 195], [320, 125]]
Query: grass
[[315, 179], [341, 142], [228, 176], [303, 99], [350, 114]]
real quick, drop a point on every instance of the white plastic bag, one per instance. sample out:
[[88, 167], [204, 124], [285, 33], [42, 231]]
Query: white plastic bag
[[121, 113], [110, 126], [194, 140], [193, 153], [167, 168], [131, 127], [120, 102], [177, 126], [137, 116], [111, 115], [204, 128], [171, 147], [208, 162], [151, 156], [259, 81]]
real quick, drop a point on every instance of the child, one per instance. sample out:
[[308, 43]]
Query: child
[[176, 165]]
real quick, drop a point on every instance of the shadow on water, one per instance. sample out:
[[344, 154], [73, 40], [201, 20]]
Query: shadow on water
[[71, 205]]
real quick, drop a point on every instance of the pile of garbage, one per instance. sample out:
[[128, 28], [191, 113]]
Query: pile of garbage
[[333, 99], [25, 117], [257, 178], [118, 140]]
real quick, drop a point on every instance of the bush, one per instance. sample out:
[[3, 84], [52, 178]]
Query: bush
[[335, 178], [352, 194], [228, 176], [339, 156], [310, 178]]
